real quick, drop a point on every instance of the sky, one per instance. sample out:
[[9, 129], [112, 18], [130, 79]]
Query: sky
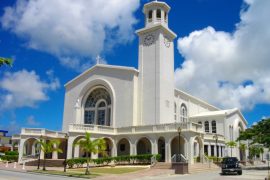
[[221, 52]]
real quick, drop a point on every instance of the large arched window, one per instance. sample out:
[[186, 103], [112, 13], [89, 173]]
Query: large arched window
[[214, 126], [206, 126], [183, 113], [97, 109]]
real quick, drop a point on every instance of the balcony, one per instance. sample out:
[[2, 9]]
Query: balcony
[[189, 126], [42, 132]]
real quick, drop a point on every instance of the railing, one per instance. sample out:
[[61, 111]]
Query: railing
[[179, 158], [172, 127], [43, 132], [206, 160]]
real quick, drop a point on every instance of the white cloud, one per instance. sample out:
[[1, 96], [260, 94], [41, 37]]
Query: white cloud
[[25, 89], [31, 121], [229, 69], [74, 31]]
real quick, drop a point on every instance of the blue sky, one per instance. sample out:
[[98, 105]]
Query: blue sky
[[220, 52]]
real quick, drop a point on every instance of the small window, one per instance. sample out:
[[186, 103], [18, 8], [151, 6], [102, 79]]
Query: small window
[[150, 13], [158, 13], [165, 16], [175, 107], [199, 122], [206, 126], [214, 126]]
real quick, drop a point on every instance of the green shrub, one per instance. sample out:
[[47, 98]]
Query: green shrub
[[12, 153]]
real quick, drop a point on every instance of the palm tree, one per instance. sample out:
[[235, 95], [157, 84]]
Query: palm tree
[[49, 147], [231, 144], [6, 61], [91, 146]]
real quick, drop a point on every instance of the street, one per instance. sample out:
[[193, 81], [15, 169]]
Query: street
[[247, 175], [9, 175]]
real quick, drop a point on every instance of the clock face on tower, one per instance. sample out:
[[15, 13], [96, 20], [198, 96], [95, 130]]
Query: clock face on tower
[[149, 39]]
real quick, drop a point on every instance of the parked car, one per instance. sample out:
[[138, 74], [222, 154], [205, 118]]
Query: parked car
[[231, 165]]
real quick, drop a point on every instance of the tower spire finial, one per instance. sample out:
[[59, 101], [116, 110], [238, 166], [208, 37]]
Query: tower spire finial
[[98, 58]]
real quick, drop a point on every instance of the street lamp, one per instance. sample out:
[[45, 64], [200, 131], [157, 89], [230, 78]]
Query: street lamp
[[65, 162], [39, 152], [216, 138], [179, 130]]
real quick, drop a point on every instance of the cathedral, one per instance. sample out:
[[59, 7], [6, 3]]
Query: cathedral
[[139, 111]]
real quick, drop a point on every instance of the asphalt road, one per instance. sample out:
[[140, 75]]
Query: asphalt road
[[215, 175], [9, 175]]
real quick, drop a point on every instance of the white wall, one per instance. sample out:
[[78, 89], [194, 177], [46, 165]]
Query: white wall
[[121, 83]]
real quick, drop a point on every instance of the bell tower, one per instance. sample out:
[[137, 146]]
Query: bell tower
[[156, 66]]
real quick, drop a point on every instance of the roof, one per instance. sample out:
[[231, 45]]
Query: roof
[[155, 27], [196, 99], [225, 113], [124, 68], [157, 3]]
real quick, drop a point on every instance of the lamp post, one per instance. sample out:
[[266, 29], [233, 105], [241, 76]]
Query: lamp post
[[179, 130], [216, 138], [65, 162], [39, 153]]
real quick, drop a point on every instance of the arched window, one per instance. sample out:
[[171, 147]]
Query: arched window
[[214, 126], [158, 13], [183, 113], [97, 109], [150, 14], [175, 109], [206, 126]]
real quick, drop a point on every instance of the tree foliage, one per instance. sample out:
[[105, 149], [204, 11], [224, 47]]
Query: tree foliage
[[97, 146], [258, 133], [231, 144], [5, 61], [49, 147]]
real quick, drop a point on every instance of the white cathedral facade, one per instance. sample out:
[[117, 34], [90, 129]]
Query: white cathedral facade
[[139, 111]]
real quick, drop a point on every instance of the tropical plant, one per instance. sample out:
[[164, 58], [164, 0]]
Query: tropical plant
[[5, 61], [49, 147], [258, 133], [254, 151], [97, 146], [231, 144]]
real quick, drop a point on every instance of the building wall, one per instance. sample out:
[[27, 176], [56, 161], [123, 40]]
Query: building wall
[[122, 86]]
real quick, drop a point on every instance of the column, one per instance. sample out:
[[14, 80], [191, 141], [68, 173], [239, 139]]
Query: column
[[167, 151], [154, 147], [209, 149], [215, 150], [21, 149], [70, 147], [54, 153], [76, 151], [94, 156], [114, 149], [190, 151]]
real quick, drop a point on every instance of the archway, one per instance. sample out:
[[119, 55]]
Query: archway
[[242, 152], [62, 146], [144, 146], [123, 147], [109, 148], [31, 147], [77, 151], [175, 146], [161, 148]]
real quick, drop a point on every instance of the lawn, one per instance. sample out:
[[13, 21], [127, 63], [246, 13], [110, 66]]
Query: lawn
[[109, 170]]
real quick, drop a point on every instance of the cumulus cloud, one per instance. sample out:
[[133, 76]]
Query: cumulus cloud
[[74, 31], [31, 121], [229, 69], [25, 89]]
